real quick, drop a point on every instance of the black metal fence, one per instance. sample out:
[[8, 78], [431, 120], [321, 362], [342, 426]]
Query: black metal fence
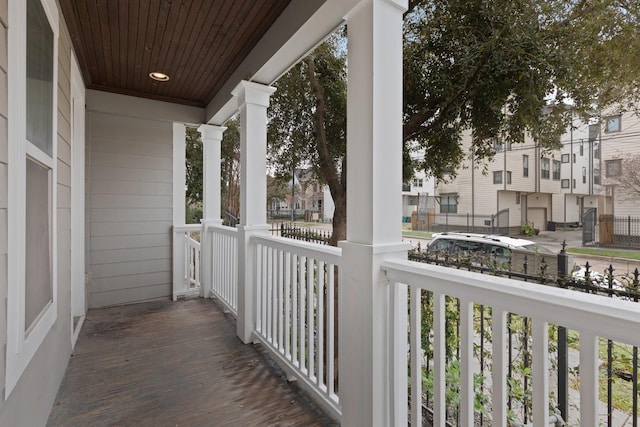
[[621, 366], [619, 232], [463, 222], [292, 231]]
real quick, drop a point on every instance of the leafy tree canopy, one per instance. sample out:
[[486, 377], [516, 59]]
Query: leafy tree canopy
[[503, 68], [500, 69]]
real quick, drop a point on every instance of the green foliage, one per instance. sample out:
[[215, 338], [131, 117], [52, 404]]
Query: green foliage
[[277, 189], [193, 165], [230, 168], [527, 230], [291, 132]]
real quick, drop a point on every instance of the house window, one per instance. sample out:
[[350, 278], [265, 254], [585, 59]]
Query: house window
[[614, 168], [497, 145], [574, 183], [565, 158], [584, 175], [581, 150], [508, 177], [564, 183], [612, 124], [525, 165], [448, 203], [556, 170], [497, 177], [596, 176], [417, 182], [596, 150], [509, 144], [544, 168], [574, 157], [517, 197], [31, 271]]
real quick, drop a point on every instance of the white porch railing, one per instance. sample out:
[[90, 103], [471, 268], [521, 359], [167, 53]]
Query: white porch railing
[[186, 260], [296, 303], [591, 316], [223, 242]]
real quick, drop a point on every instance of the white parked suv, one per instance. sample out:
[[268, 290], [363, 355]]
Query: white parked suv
[[499, 248]]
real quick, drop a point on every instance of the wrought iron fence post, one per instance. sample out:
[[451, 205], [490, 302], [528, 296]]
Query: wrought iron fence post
[[563, 351], [629, 231], [636, 287]]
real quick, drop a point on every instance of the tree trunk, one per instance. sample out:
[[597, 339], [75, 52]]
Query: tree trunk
[[339, 220]]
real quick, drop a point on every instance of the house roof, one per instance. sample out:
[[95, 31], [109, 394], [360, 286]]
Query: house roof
[[204, 46]]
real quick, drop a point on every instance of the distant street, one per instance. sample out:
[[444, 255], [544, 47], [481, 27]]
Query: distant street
[[549, 239]]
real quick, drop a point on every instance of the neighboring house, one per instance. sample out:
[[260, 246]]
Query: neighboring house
[[545, 188], [519, 183], [619, 140], [579, 173], [419, 190]]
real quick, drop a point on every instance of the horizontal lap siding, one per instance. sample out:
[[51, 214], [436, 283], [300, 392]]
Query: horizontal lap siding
[[3, 190], [130, 188]]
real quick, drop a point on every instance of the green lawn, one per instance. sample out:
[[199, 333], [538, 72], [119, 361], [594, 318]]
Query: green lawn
[[418, 234], [635, 255]]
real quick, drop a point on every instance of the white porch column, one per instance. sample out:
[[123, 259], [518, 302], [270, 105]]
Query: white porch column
[[253, 100], [179, 182], [374, 214], [211, 140]]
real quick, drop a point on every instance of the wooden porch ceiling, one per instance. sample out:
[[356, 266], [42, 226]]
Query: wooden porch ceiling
[[168, 363], [198, 43]]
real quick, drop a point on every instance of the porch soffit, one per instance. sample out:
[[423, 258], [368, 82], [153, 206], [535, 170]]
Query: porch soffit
[[200, 44]]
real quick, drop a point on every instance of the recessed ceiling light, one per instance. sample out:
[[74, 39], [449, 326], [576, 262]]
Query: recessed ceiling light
[[159, 76]]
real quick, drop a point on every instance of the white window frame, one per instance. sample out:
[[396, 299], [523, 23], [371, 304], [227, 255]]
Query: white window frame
[[613, 124], [21, 344]]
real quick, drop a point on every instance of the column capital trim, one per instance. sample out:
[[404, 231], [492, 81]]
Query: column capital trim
[[252, 93], [214, 132]]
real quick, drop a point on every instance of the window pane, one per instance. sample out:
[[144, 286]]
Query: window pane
[[497, 177], [38, 289], [39, 77]]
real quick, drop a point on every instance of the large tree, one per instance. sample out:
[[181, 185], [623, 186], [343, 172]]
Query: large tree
[[307, 123], [501, 69]]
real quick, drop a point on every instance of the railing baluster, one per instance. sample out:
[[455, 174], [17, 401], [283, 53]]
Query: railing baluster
[[330, 330], [466, 363], [415, 313], [277, 259], [311, 309], [439, 360], [540, 369], [287, 304], [320, 283], [589, 401], [303, 297], [499, 370], [295, 304], [273, 303]]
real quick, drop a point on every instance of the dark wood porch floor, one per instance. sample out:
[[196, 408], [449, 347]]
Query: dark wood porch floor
[[169, 363]]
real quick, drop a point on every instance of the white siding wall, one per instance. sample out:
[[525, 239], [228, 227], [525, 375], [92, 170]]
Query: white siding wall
[[31, 400], [621, 145], [130, 209], [3, 190]]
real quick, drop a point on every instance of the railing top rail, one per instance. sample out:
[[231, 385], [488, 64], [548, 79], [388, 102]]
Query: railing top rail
[[222, 229], [325, 253], [187, 227], [610, 318]]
